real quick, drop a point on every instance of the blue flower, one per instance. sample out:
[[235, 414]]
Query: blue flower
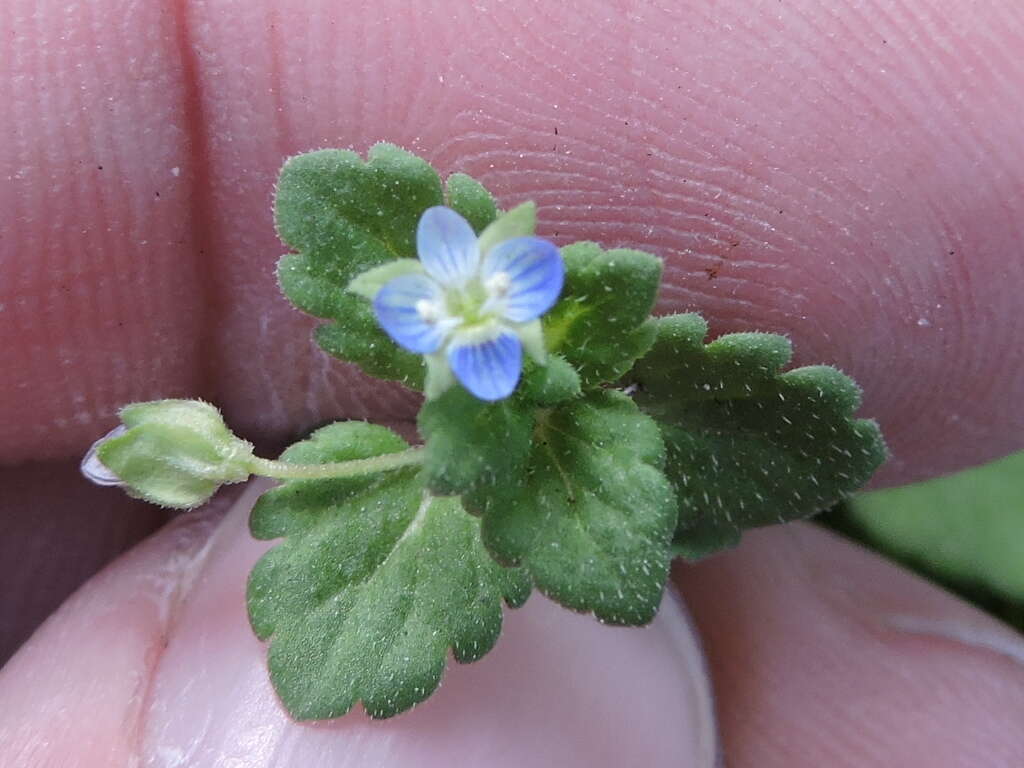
[[471, 307]]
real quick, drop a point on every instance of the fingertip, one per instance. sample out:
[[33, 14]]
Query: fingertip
[[825, 654]]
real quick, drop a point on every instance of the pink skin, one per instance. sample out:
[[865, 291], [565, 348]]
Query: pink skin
[[852, 176]]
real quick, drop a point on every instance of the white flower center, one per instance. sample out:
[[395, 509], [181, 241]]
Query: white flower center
[[497, 285], [428, 310]]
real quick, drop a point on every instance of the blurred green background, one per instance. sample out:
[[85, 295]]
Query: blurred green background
[[964, 531]]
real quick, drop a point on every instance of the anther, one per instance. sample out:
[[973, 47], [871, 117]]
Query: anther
[[498, 283], [428, 310]]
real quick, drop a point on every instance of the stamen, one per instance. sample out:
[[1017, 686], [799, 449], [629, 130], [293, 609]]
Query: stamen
[[498, 284], [428, 310]]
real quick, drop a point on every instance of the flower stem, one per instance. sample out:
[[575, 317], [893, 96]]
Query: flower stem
[[283, 470]]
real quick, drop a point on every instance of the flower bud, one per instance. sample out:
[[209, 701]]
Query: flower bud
[[175, 453]]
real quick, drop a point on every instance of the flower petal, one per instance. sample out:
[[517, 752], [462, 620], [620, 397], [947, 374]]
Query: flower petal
[[447, 246], [96, 470], [536, 273], [397, 312], [489, 367]]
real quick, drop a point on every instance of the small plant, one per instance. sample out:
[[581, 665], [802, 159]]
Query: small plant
[[572, 443]]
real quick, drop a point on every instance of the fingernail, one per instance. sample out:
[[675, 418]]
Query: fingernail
[[985, 635]]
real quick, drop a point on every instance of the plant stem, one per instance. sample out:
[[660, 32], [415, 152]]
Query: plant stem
[[283, 470]]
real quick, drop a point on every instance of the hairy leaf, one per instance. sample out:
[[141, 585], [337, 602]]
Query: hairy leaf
[[472, 443], [747, 444], [374, 582], [601, 324], [471, 200], [343, 216], [592, 518], [549, 384]]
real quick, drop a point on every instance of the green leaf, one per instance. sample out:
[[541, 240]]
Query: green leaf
[[965, 529], [471, 200], [343, 216], [360, 339], [549, 384], [748, 445], [356, 214], [375, 581], [369, 283], [471, 443], [592, 518], [601, 323], [521, 221]]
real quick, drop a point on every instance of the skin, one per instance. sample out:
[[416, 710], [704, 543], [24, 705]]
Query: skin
[[851, 176]]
